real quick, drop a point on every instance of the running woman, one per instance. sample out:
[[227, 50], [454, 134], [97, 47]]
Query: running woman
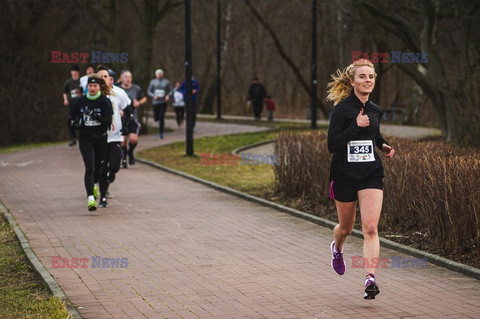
[[356, 172], [94, 117], [113, 155], [158, 90], [130, 116], [71, 92]]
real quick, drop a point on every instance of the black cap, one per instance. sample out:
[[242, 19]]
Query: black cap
[[95, 80], [75, 68]]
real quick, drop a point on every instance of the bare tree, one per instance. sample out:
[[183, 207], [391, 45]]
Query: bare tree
[[284, 55], [149, 14], [419, 29]]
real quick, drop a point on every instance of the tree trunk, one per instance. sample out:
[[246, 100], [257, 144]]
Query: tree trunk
[[210, 96], [144, 64], [431, 80], [285, 57]]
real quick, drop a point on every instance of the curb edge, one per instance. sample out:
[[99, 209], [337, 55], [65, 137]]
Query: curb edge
[[46, 277], [434, 259]]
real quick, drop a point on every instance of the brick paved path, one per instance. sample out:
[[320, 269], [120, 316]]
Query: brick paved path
[[194, 252]]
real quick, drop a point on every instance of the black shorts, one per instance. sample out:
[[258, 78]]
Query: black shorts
[[347, 190], [132, 127]]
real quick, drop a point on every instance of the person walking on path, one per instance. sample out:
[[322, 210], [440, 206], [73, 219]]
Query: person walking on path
[[256, 94], [93, 114], [356, 172], [158, 90], [71, 92], [131, 122], [178, 103], [195, 91], [113, 154], [270, 105]]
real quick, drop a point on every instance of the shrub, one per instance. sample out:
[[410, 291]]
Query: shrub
[[429, 186]]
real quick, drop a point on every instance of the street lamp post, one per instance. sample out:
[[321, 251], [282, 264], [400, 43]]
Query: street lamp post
[[219, 65], [188, 79], [314, 66]]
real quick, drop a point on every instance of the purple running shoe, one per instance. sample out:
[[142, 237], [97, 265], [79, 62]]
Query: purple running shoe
[[338, 264]]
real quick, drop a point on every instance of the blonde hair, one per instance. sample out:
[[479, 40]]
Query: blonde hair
[[104, 87], [339, 88]]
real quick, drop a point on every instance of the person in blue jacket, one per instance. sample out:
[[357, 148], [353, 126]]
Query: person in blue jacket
[[195, 91]]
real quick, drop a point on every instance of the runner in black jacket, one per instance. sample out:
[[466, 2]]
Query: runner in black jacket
[[94, 117], [356, 172], [343, 129]]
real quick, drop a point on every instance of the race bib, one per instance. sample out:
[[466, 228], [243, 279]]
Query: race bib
[[73, 93], [360, 151], [160, 93]]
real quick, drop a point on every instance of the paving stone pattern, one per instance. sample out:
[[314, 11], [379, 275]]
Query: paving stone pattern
[[194, 252]]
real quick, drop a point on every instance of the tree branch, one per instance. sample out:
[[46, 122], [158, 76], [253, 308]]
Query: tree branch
[[428, 31], [392, 22], [169, 5], [279, 47], [421, 80], [284, 56], [135, 8], [99, 18]]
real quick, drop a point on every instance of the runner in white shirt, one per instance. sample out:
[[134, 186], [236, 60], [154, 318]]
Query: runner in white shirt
[[83, 80], [113, 156]]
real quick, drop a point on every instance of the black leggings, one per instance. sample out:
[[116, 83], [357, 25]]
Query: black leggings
[[93, 150], [257, 109], [179, 111], [113, 158], [159, 115]]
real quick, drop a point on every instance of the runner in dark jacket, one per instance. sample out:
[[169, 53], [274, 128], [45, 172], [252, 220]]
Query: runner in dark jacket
[[356, 171], [343, 129], [93, 114], [71, 92]]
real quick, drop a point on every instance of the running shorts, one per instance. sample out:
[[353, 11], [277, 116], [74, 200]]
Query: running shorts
[[347, 190], [133, 126]]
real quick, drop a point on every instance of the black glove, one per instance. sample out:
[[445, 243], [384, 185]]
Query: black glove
[[75, 123]]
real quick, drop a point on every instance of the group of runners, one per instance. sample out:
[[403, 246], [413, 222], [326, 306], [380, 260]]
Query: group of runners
[[356, 174], [104, 112]]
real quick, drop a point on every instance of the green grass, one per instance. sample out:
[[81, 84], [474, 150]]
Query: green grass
[[20, 147], [242, 177], [258, 180], [22, 293]]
